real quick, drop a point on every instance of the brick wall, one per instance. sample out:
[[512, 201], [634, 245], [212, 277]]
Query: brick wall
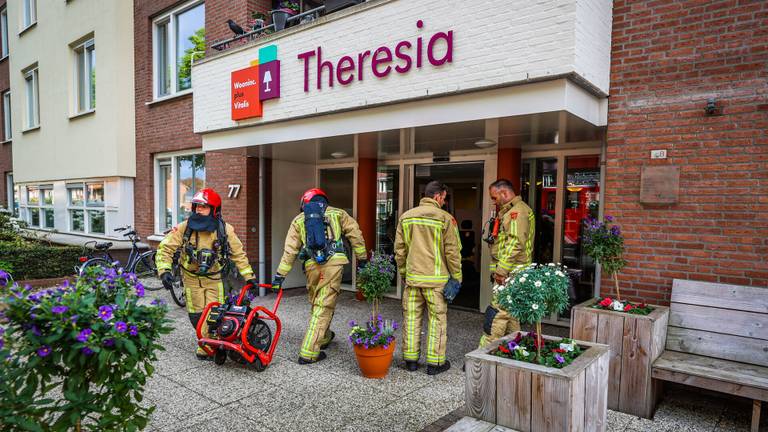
[[167, 126], [6, 156], [668, 58]]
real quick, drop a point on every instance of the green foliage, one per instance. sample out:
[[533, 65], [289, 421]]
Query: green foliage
[[534, 292], [6, 266], [77, 357], [375, 278], [36, 260], [603, 243], [195, 52], [9, 228]]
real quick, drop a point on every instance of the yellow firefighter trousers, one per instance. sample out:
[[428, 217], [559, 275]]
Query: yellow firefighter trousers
[[414, 299], [199, 291], [323, 285], [503, 324]]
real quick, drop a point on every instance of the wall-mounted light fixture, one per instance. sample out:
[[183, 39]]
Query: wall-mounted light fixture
[[711, 108], [485, 143]]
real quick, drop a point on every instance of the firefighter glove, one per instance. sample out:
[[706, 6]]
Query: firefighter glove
[[451, 289], [167, 279], [277, 282]]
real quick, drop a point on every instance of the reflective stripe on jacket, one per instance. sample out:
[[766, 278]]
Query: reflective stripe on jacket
[[340, 222], [427, 246], [514, 245], [201, 240]]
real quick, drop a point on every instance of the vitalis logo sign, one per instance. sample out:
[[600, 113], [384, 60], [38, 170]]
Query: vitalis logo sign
[[255, 84]]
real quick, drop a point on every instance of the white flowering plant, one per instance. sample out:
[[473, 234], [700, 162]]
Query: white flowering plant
[[534, 292]]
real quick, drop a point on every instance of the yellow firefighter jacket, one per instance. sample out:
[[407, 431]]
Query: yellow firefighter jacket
[[201, 240], [514, 245], [427, 246], [340, 224]]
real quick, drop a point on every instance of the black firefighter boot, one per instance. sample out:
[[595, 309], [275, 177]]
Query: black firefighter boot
[[434, 370]]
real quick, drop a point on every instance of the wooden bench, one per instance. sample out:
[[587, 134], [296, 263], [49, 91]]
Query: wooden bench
[[717, 339]]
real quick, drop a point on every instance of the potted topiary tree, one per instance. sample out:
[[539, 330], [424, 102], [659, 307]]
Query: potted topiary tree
[[77, 355], [636, 332], [374, 343], [527, 381]]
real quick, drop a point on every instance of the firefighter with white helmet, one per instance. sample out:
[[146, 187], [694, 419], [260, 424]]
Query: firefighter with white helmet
[[210, 248], [316, 237]]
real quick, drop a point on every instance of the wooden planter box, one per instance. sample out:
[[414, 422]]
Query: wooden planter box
[[531, 397], [636, 341]]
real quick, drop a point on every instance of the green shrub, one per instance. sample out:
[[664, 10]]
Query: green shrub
[[35, 260], [77, 357]]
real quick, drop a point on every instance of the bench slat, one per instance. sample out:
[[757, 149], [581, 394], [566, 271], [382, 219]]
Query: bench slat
[[735, 348], [733, 322], [723, 370], [723, 296], [710, 384]]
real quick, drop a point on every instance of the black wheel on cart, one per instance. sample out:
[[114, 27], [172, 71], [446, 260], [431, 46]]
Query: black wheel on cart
[[220, 357]]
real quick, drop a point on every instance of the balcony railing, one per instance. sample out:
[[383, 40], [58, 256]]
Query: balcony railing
[[304, 17]]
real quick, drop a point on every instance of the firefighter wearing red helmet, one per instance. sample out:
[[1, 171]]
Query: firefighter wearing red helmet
[[209, 248], [316, 237]]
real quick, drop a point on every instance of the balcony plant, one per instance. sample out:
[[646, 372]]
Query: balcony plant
[[77, 356], [374, 342]]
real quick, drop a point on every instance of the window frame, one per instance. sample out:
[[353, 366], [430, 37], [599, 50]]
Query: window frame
[[31, 6], [169, 20], [32, 73], [170, 159], [4, 47], [85, 207], [41, 207], [84, 83], [7, 120]]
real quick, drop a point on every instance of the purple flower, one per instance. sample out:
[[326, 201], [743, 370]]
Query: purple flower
[[2, 330], [615, 230], [43, 350], [105, 313], [109, 342], [83, 335], [86, 351], [158, 302], [352, 323], [59, 309], [74, 318], [559, 358], [511, 345], [36, 331], [139, 290], [133, 331], [121, 326]]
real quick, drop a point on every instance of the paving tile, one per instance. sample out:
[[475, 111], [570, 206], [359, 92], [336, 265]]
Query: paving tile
[[221, 419], [175, 399]]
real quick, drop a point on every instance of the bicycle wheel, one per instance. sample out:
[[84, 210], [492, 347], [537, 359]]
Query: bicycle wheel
[[145, 268], [95, 262], [177, 292]]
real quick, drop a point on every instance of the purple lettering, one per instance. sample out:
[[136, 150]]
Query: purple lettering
[[360, 59], [305, 56], [448, 56], [345, 64], [377, 60], [418, 52], [322, 65], [402, 56]]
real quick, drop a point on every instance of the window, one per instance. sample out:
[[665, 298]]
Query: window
[[85, 71], [32, 92], [179, 38], [7, 134], [12, 195], [28, 13], [86, 208], [179, 178], [39, 208], [4, 32]]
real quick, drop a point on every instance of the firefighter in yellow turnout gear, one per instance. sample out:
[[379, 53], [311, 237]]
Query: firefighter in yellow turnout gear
[[204, 256], [323, 268], [511, 249], [427, 253]]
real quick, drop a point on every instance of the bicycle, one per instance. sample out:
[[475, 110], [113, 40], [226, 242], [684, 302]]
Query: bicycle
[[177, 290], [142, 264]]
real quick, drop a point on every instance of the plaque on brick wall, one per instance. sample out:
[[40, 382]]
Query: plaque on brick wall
[[659, 184]]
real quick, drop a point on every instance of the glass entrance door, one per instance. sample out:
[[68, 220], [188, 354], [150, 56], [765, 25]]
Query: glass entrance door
[[339, 184], [563, 190]]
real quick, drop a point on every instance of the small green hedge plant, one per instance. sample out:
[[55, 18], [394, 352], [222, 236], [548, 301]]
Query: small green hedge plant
[[77, 357]]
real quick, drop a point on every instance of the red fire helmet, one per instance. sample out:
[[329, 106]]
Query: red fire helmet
[[311, 193], [208, 197]]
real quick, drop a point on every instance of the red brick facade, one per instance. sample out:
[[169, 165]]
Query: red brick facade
[[6, 156], [668, 58], [167, 126]]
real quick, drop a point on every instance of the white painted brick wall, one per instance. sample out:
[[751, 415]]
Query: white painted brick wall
[[501, 42]]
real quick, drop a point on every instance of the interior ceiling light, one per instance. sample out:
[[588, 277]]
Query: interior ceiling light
[[338, 155], [485, 143]]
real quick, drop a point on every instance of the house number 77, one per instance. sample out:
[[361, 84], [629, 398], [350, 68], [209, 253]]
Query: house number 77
[[234, 191]]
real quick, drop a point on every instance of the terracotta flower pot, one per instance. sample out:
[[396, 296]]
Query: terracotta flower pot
[[374, 362]]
